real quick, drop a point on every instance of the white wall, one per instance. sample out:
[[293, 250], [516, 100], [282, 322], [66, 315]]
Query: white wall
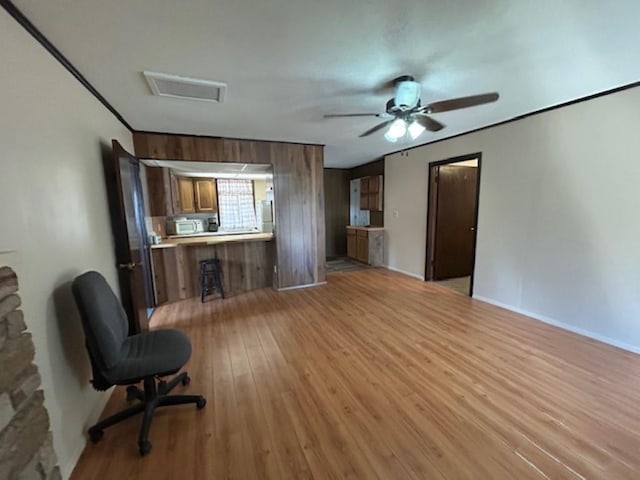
[[54, 214], [558, 231]]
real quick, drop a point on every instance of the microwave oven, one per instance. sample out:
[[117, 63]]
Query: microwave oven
[[184, 227]]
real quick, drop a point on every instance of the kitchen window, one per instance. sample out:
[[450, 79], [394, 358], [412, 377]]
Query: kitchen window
[[236, 205]]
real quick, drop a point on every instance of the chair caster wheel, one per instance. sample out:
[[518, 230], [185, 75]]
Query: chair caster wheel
[[132, 393], [186, 380], [144, 447], [201, 403], [95, 434]]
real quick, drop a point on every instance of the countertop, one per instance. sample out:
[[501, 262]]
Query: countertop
[[213, 239], [367, 229]]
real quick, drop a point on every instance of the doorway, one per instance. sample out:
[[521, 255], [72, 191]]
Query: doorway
[[452, 221]]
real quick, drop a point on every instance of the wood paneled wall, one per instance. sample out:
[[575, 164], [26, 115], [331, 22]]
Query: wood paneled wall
[[336, 189], [298, 183], [245, 265]]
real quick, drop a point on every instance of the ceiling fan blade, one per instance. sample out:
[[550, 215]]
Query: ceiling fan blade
[[462, 102], [429, 123], [342, 115], [380, 126]]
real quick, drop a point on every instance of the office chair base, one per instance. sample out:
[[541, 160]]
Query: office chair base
[[153, 396]]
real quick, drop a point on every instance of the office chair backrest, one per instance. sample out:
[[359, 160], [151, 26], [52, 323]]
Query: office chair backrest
[[103, 319]]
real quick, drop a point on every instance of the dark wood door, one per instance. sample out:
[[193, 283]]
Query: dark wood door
[[455, 221], [132, 249]]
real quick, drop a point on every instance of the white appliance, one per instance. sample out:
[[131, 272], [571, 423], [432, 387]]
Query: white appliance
[[264, 212], [184, 226], [356, 216]]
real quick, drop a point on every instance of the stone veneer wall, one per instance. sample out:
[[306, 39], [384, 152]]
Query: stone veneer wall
[[26, 445]]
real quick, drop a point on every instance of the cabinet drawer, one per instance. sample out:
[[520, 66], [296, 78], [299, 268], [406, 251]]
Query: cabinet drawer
[[362, 233]]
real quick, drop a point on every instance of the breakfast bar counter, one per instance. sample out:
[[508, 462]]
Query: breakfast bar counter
[[204, 239], [247, 263]]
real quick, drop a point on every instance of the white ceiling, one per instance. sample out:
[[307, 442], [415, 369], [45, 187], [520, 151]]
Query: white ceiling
[[288, 62]]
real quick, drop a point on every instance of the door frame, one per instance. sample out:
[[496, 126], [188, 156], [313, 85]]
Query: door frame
[[432, 205]]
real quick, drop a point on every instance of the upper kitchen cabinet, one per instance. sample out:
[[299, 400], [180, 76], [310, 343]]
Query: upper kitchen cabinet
[[186, 197], [364, 193], [371, 189], [375, 193], [205, 195], [196, 195], [170, 194]]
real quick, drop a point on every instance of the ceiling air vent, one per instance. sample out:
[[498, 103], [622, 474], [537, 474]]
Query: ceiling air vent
[[167, 85]]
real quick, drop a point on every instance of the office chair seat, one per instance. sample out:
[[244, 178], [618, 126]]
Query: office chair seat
[[158, 352], [119, 359]]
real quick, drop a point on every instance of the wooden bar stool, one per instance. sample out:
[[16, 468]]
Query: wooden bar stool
[[210, 278]]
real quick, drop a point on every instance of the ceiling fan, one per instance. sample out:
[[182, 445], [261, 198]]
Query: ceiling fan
[[406, 115]]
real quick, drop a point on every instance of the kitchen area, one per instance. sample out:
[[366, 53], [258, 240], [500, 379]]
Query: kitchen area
[[354, 214], [205, 210]]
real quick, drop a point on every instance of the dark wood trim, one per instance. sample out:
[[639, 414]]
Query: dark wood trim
[[462, 158], [217, 137], [51, 48], [526, 115], [369, 162], [432, 206], [475, 233]]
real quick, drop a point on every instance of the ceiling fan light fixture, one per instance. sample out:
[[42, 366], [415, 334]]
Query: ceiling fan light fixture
[[390, 138], [407, 94], [397, 130], [415, 129]]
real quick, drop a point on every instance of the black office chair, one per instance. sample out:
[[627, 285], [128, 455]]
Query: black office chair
[[118, 359]]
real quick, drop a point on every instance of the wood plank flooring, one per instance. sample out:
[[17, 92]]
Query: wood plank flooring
[[377, 375]]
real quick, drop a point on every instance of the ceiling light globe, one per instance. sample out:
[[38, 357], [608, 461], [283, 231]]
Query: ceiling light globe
[[397, 129], [390, 138], [415, 130]]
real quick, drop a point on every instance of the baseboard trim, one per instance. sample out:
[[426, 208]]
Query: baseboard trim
[[298, 287], [67, 469], [403, 272], [562, 325]]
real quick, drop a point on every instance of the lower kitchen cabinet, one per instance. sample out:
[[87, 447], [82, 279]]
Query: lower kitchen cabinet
[[362, 246], [365, 244], [351, 243]]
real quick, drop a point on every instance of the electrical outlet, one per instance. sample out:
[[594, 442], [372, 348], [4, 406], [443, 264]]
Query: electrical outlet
[[396, 214]]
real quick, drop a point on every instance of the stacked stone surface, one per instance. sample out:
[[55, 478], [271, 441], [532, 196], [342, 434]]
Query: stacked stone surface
[[26, 446]]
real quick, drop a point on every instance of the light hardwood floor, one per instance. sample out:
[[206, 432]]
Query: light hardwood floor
[[377, 375]]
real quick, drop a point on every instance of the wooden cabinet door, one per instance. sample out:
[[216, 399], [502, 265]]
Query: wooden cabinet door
[[205, 191], [352, 249], [364, 193], [362, 247], [186, 195], [375, 193]]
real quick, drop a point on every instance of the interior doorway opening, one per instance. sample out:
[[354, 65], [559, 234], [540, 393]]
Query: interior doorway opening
[[452, 221]]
